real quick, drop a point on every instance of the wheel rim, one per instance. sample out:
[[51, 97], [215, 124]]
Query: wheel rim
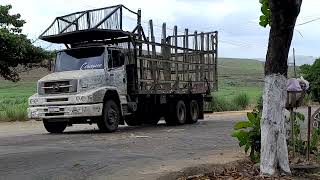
[[181, 112], [112, 116], [194, 110]]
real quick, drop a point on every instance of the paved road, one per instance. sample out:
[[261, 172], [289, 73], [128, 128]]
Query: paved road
[[130, 153]]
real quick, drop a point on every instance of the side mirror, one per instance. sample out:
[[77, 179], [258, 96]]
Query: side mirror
[[50, 65]]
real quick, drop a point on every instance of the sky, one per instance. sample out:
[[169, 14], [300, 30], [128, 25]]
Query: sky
[[240, 36]]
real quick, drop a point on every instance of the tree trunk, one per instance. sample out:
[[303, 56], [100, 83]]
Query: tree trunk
[[274, 152]]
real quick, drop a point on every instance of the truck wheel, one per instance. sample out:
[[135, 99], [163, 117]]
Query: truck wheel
[[178, 114], [193, 112], [110, 118], [54, 127]]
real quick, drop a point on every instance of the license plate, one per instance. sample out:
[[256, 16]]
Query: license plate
[[53, 109]]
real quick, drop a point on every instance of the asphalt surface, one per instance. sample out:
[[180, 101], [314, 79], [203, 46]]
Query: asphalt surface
[[29, 152]]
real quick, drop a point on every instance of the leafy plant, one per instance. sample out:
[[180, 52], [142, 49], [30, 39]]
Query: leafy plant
[[300, 144], [249, 135]]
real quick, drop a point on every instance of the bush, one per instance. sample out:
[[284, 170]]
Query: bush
[[222, 104], [249, 135], [241, 100], [312, 74]]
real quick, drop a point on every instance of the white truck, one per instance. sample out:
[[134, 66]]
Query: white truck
[[112, 76]]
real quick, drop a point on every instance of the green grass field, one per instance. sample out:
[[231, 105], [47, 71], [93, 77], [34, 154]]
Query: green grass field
[[14, 99], [236, 76]]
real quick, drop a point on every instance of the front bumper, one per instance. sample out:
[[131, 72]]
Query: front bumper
[[67, 111]]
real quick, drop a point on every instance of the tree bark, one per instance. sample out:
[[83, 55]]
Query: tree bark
[[274, 152]]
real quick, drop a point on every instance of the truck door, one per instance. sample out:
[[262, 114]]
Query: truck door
[[116, 74]]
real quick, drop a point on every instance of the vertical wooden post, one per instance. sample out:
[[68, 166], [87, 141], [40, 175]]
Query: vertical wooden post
[[141, 64], [208, 66], [216, 60], [88, 20], [166, 56], [175, 31], [309, 133], [292, 118], [153, 64], [184, 58], [202, 57], [148, 46], [196, 54], [152, 38], [187, 53], [121, 18], [139, 32]]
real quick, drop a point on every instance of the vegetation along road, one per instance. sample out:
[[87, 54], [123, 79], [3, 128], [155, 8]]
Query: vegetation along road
[[131, 152]]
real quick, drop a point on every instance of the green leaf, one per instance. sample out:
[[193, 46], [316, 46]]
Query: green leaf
[[263, 18], [242, 137], [242, 125], [263, 23], [251, 117]]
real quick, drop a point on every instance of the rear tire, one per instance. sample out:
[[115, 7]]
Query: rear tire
[[110, 119], [177, 114], [54, 127], [193, 112]]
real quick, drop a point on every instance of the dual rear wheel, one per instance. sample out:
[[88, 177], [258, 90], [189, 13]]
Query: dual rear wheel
[[181, 112]]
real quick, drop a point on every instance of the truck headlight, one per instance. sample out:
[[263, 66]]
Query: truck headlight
[[33, 101], [81, 98]]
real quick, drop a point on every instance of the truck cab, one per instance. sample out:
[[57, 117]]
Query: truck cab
[[83, 77]]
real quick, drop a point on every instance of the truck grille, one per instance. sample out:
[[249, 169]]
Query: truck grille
[[57, 87]]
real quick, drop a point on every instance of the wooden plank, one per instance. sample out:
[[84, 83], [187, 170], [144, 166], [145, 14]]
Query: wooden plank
[[175, 32], [216, 59], [141, 64], [201, 56], [184, 59], [166, 55], [208, 56], [153, 64], [196, 58], [187, 53]]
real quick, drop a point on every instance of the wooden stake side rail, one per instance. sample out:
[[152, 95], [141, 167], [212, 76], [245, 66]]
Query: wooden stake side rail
[[177, 69]]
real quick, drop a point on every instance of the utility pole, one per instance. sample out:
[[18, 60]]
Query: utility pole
[[294, 64]]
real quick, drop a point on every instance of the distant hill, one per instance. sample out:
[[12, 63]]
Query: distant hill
[[246, 72]]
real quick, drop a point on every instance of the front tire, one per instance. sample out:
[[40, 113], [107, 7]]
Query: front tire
[[110, 119], [54, 127]]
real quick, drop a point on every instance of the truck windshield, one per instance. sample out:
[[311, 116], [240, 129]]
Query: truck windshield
[[80, 59]]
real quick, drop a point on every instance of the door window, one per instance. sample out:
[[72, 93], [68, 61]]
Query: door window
[[115, 59]]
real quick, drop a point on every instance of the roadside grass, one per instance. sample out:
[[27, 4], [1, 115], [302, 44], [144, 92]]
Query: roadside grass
[[14, 100]]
